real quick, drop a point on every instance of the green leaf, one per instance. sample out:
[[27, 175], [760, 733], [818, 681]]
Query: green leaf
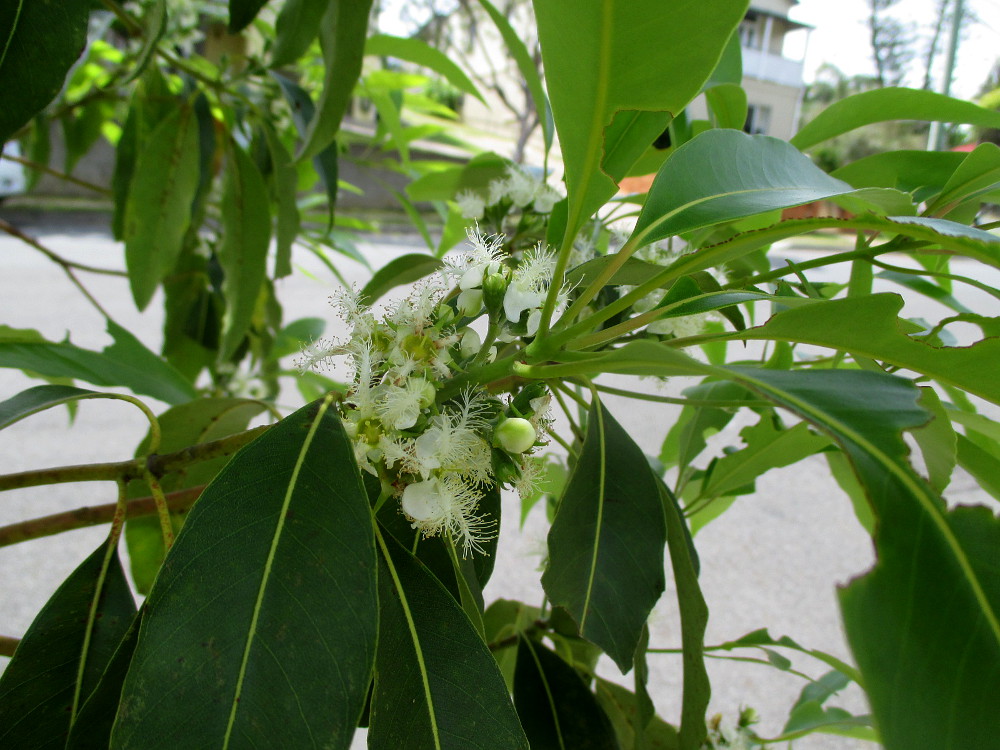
[[39, 42], [977, 175], [125, 363], [285, 181], [418, 51], [937, 441], [154, 24], [161, 193], [882, 105], [246, 233], [764, 174], [694, 620], [622, 708], [189, 424], [62, 656], [295, 28], [761, 638], [39, 398], [637, 55], [767, 447], [922, 173], [263, 618], [923, 693], [869, 327], [436, 684], [606, 542], [528, 68], [242, 13], [556, 709], [728, 104], [402, 270], [342, 34]]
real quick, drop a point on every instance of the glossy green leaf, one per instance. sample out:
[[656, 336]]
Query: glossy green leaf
[[342, 33], [638, 55], [200, 421], [418, 51], [557, 710], [263, 619], [762, 174], [125, 363], [39, 42], [246, 233], [925, 691], [295, 28], [242, 13], [62, 656], [39, 398], [402, 270], [606, 542], [870, 327], [425, 695], [882, 105], [528, 68], [158, 211]]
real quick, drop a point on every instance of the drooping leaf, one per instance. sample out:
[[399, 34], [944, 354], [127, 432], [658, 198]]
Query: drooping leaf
[[62, 656], [869, 327], [283, 189], [246, 233], [436, 684], [296, 27], [263, 618], [39, 398], [342, 32], [402, 270], [557, 710], [125, 363], [606, 542], [639, 55], [762, 174], [882, 105], [418, 51], [39, 42], [158, 211], [154, 24], [242, 12]]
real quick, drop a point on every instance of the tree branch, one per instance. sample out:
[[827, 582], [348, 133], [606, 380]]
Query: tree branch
[[157, 465]]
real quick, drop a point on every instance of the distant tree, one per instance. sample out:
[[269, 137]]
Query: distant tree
[[892, 43]]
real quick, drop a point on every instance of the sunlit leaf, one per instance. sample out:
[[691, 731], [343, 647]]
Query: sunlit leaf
[[263, 618], [418, 51]]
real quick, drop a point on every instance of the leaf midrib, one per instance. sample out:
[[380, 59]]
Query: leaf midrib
[[276, 538], [13, 30]]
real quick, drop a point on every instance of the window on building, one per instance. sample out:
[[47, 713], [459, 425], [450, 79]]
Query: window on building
[[750, 32], [758, 120]]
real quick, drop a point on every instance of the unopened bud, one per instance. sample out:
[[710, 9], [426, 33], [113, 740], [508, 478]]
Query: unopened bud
[[494, 289], [515, 435]]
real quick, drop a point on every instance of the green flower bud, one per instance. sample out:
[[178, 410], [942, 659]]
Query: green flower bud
[[521, 405], [494, 289], [515, 435], [505, 470]]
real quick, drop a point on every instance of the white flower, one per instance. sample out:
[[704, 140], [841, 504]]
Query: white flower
[[497, 191], [471, 342], [545, 199], [471, 205], [453, 444], [447, 504], [529, 284], [521, 187], [399, 407]]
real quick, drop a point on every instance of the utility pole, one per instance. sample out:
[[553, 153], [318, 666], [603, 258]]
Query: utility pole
[[935, 137]]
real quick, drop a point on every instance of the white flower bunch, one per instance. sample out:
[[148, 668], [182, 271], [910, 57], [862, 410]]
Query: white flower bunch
[[516, 188], [437, 455]]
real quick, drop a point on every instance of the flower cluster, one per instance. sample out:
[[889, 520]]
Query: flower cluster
[[516, 205], [439, 454]]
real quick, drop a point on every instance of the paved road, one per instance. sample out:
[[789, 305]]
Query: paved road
[[775, 559]]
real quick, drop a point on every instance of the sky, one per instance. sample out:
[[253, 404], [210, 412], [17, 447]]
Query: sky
[[840, 36]]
